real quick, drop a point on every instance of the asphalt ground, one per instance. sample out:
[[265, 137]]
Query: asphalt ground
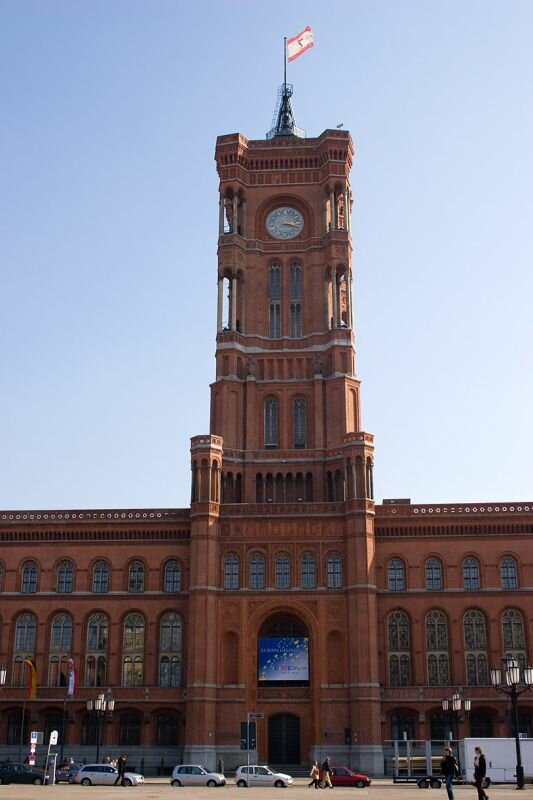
[[160, 789]]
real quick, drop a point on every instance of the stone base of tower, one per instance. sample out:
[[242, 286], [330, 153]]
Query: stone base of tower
[[205, 754], [365, 758]]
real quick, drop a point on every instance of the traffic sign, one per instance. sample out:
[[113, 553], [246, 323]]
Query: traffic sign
[[255, 715]]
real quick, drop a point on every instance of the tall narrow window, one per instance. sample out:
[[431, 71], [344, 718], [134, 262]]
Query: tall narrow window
[[437, 649], [136, 577], [60, 647], [101, 577], [399, 649], [65, 573], [96, 650], [295, 298], [170, 630], [25, 633], [274, 299], [334, 572], [308, 571], [282, 569], [471, 574], [172, 581], [508, 573], [271, 423], [133, 651], [396, 575], [475, 648], [514, 640], [231, 572], [433, 573], [257, 571], [299, 423], [29, 577]]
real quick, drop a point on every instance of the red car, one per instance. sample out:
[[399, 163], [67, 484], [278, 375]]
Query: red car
[[343, 776]]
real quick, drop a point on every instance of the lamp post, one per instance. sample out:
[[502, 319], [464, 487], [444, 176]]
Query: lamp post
[[453, 706], [509, 684], [99, 707]]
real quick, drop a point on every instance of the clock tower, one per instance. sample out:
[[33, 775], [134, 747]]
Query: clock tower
[[282, 536]]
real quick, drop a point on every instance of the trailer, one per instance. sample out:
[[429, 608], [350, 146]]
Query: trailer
[[500, 755]]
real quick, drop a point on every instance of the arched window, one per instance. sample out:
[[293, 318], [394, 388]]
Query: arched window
[[60, 648], [96, 650], [513, 636], [282, 571], [1, 577], [475, 646], [295, 300], [136, 577], [170, 634], [129, 729], [334, 571], [396, 575], [399, 649], [402, 726], [271, 423], [508, 573], [30, 574], [25, 633], [172, 577], [65, 575], [133, 651], [437, 649], [231, 572], [308, 571], [257, 571], [299, 423], [433, 573], [471, 574], [101, 577], [167, 729], [274, 299]]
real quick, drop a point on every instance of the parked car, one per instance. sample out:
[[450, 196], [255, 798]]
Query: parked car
[[13, 772], [344, 776], [104, 775], [259, 775], [65, 773], [195, 775]]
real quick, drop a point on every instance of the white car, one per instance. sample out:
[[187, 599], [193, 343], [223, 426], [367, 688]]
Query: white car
[[104, 775], [256, 775], [195, 775]]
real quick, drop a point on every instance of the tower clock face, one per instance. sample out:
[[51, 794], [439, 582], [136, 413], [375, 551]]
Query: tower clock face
[[284, 223]]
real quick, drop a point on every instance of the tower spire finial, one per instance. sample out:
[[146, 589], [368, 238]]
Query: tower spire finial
[[283, 123]]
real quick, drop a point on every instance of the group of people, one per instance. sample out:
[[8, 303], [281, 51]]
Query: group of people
[[450, 769], [327, 772]]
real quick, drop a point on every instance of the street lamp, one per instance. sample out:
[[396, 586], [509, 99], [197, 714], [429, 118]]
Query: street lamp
[[453, 706], [3, 674], [509, 686], [99, 707]]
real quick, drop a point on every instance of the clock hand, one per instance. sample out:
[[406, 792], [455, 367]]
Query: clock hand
[[294, 224]]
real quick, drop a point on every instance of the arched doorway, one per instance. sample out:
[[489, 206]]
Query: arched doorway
[[284, 739]]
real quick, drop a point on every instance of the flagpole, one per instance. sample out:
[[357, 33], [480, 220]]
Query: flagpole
[[22, 727], [285, 64], [63, 727]]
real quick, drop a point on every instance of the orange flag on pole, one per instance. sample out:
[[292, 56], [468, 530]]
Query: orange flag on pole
[[32, 680]]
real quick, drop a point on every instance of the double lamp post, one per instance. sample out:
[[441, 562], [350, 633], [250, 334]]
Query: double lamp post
[[101, 707], [456, 706], [508, 682]]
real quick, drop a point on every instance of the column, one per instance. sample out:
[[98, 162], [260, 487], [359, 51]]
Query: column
[[334, 297], [333, 211], [346, 209], [221, 216], [233, 303], [243, 218], [348, 279], [220, 303], [235, 205]]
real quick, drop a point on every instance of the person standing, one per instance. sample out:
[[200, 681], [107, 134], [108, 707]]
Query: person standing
[[314, 775], [480, 771], [449, 768], [121, 766], [327, 772]]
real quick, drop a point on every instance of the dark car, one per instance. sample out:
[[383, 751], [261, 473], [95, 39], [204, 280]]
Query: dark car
[[12, 772], [65, 773], [344, 776]]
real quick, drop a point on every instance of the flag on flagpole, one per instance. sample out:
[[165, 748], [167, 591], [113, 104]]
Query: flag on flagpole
[[71, 677], [31, 692], [300, 43]]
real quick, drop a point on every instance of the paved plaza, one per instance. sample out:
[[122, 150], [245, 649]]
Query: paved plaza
[[156, 788]]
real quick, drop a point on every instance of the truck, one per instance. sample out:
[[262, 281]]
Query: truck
[[500, 755]]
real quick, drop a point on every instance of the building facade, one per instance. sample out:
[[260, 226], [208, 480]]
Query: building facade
[[284, 590]]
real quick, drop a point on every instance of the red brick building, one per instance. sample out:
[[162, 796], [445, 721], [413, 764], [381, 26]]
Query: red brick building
[[374, 613]]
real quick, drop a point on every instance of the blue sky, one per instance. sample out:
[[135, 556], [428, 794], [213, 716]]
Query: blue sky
[[108, 232]]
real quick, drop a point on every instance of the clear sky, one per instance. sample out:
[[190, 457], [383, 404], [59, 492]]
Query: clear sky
[[108, 230]]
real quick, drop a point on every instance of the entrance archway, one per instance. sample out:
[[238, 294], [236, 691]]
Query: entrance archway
[[284, 739]]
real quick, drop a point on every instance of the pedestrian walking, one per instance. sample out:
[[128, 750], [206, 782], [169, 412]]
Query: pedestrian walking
[[450, 770], [121, 766], [327, 772], [480, 771], [314, 775]]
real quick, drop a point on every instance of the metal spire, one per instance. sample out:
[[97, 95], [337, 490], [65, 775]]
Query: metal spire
[[283, 123]]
